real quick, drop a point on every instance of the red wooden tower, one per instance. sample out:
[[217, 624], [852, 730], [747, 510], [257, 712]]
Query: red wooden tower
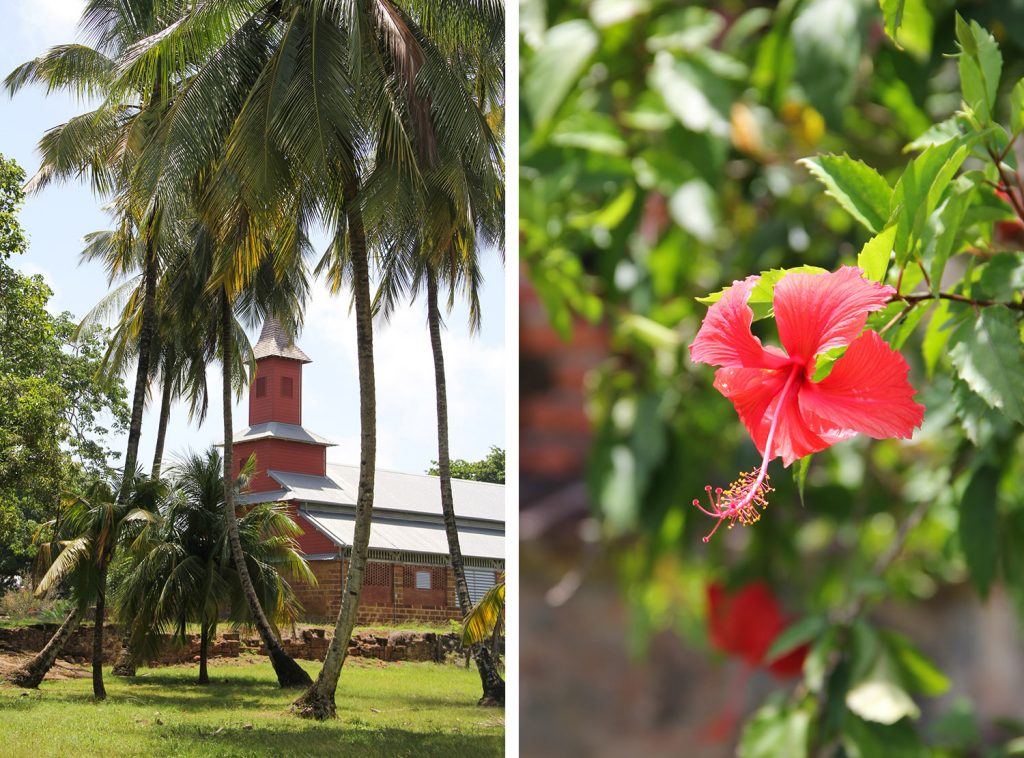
[[275, 432]]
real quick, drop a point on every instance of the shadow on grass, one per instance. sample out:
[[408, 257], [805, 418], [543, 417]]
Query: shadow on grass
[[338, 737]]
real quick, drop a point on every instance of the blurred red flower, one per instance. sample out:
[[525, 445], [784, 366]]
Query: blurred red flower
[[746, 622]]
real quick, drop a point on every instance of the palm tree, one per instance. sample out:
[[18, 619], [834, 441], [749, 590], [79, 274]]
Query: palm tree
[[91, 526], [438, 244], [103, 146], [320, 108], [186, 574]]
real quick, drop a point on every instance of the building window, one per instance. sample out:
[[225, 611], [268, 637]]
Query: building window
[[261, 386], [286, 386], [479, 581], [423, 580]]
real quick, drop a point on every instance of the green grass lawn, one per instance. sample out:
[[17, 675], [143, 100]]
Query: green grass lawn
[[398, 709]]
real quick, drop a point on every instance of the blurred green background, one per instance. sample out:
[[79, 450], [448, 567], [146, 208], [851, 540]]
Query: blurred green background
[[658, 149]]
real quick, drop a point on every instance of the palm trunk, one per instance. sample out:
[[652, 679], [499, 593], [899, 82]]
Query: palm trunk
[[289, 673], [99, 692], [32, 673], [491, 681], [161, 432], [131, 458], [204, 649], [318, 701], [127, 661]]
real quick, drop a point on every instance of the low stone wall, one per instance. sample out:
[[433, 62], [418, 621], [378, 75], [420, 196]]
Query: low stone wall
[[310, 644]]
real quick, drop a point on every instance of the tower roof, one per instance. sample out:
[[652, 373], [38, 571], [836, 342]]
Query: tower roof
[[274, 342]]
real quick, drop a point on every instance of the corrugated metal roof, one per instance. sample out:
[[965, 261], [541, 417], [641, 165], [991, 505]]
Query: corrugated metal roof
[[413, 537], [281, 431], [275, 342], [420, 493]]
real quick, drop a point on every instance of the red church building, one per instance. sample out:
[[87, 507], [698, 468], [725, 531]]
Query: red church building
[[408, 577]]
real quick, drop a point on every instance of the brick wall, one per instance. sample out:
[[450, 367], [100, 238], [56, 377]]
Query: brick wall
[[280, 455], [399, 604], [269, 397], [554, 428]]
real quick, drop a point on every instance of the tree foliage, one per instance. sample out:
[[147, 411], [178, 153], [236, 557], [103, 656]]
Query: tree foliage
[[55, 410], [488, 469], [669, 151]]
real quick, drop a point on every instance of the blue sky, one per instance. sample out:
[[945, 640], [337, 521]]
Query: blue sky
[[57, 219]]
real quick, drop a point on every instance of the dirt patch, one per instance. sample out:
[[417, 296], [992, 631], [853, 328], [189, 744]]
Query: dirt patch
[[61, 669]]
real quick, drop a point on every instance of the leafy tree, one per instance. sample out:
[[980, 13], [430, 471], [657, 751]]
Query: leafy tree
[[54, 409], [488, 469]]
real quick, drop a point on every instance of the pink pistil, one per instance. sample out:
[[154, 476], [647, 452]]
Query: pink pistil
[[741, 499]]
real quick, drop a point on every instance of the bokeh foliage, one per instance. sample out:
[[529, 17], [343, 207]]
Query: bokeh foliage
[[661, 149]]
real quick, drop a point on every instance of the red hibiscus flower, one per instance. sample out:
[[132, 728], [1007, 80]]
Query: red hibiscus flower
[[746, 623], [788, 414]]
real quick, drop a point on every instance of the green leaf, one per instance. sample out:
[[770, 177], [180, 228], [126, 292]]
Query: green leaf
[[800, 475], [825, 71], [987, 355], [867, 739], [554, 68], [919, 191], [857, 187], [795, 635], [981, 65], [1017, 107], [936, 335], [775, 731], [760, 300], [909, 24], [589, 130], [694, 206], [940, 234], [936, 134], [873, 258], [898, 336], [1001, 278], [918, 673], [698, 99], [977, 530], [816, 663], [980, 423]]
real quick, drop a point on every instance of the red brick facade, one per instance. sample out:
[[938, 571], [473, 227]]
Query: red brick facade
[[280, 455], [276, 393], [382, 603]]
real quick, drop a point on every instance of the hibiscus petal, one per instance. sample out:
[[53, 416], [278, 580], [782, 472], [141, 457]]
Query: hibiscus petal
[[752, 391], [794, 437], [725, 339], [817, 312], [755, 394], [866, 392]]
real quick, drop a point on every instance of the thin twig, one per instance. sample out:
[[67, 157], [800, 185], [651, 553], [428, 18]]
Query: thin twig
[[959, 299]]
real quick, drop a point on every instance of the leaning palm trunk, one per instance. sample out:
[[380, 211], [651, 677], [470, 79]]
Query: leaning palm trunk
[[289, 673], [491, 681], [32, 673], [131, 457], [161, 431], [318, 701]]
